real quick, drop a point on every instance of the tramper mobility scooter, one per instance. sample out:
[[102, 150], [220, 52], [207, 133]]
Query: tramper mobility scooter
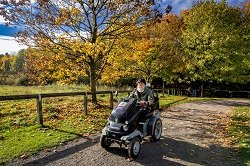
[[129, 123]]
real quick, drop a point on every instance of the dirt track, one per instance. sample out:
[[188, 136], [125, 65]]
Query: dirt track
[[193, 134]]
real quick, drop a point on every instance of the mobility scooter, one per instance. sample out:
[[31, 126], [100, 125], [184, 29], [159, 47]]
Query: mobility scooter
[[129, 123]]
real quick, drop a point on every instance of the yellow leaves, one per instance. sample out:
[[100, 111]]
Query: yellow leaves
[[7, 63], [43, 42], [75, 12], [64, 15], [68, 16], [171, 25], [146, 51], [45, 67], [143, 45], [60, 20], [64, 12], [89, 49]]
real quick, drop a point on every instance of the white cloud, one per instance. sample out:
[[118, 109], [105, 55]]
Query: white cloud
[[2, 21], [10, 45]]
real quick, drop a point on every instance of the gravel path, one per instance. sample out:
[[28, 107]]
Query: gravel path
[[193, 134]]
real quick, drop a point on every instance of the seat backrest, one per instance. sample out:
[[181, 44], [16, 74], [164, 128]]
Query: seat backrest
[[156, 104]]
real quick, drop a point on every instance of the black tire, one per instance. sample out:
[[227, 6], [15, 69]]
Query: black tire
[[104, 142], [156, 135], [134, 148]]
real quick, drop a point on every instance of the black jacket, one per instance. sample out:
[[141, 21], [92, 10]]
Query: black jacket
[[146, 95]]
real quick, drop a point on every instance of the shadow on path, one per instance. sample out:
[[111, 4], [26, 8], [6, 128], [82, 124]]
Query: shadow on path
[[169, 151], [74, 147]]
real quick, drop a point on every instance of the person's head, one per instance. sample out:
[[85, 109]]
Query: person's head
[[140, 85]]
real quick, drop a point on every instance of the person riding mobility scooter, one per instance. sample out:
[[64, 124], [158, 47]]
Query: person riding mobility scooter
[[132, 119]]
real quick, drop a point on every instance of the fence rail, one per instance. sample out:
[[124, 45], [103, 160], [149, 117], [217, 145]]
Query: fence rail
[[18, 97]]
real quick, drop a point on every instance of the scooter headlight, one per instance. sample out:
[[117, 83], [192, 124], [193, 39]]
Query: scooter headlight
[[125, 127]]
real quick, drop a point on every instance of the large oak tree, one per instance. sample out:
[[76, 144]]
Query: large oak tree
[[86, 31], [152, 51]]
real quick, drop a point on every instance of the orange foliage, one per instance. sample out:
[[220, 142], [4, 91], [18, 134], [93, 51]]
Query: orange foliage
[[44, 67]]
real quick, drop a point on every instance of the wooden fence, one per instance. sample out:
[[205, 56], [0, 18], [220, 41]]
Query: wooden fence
[[39, 98]]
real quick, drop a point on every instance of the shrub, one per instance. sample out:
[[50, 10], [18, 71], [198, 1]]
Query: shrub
[[23, 81]]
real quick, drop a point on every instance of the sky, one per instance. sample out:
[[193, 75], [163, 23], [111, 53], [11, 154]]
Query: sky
[[8, 43]]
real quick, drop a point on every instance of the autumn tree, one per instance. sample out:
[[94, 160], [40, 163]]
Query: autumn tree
[[46, 67], [214, 42], [83, 30], [153, 51], [7, 68], [6, 63]]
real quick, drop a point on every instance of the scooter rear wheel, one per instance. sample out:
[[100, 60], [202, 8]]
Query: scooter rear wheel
[[156, 135], [134, 148]]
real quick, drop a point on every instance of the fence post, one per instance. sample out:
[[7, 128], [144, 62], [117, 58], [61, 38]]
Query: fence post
[[39, 110], [202, 91], [111, 100], [163, 87], [85, 103]]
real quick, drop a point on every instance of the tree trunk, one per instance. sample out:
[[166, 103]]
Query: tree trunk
[[92, 75]]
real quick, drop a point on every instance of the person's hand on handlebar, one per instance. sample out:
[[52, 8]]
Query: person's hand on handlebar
[[144, 103]]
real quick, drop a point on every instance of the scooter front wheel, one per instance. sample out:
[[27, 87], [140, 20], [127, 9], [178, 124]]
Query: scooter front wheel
[[104, 142], [134, 148]]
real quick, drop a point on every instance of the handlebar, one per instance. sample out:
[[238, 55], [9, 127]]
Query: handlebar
[[142, 104]]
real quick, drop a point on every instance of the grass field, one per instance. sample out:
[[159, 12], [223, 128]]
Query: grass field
[[21, 90], [240, 131], [63, 118]]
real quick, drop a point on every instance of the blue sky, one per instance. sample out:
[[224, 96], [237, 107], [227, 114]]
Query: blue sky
[[179, 5], [8, 44]]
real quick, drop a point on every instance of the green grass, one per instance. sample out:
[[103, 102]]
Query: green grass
[[240, 132], [27, 140], [21, 90], [63, 119]]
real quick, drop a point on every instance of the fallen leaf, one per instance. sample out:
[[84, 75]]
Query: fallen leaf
[[24, 156]]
